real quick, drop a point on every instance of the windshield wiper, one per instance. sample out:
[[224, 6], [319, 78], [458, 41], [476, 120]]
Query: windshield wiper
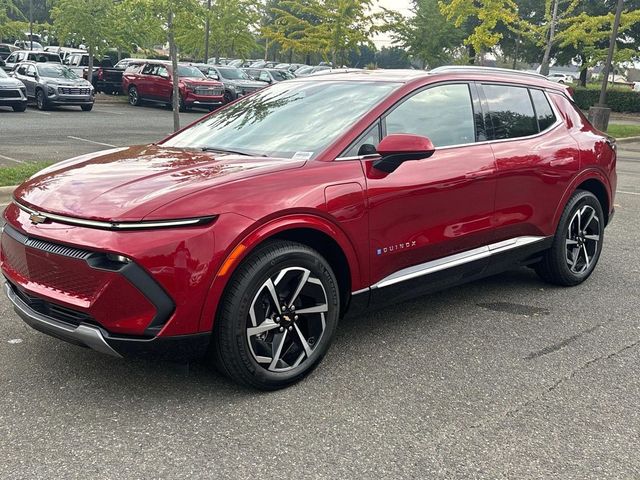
[[226, 150]]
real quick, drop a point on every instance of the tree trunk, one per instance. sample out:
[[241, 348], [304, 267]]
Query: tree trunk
[[90, 66], [173, 54], [471, 52], [207, 28], [544, 66], [583, 77]]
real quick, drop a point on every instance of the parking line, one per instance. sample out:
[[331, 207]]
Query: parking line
[[628, 193], [91, 141], [107, 111], [11, 159], [38, 111]]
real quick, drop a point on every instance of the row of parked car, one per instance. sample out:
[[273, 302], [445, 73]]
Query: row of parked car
[[53, 76]]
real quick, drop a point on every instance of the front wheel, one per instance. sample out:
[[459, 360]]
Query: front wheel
[[87, 108], [277, 317], [577, 244], [134, 97], [20, 108], [41, 100]]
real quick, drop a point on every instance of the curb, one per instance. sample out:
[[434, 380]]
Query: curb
[[6, 194], [627, 140]]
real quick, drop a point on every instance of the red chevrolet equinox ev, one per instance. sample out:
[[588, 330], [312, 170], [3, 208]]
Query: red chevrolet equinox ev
[[247, 235]]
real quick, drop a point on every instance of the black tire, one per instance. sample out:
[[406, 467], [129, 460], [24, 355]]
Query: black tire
[[41, 100], [134, 97], [86, 108], [20, 108], [182, 107], [560, 265], [227, 97], [234, 346]]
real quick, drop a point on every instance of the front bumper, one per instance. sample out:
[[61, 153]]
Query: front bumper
[[192, 99], [17, 98], [182, 347]]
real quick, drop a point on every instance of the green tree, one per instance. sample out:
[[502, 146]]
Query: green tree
[[428, 36], [483, 17], [86, 21], [332, 27], [9, 13]]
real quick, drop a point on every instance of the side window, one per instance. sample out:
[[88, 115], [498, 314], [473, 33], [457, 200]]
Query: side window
[[12, 58], [366, 144], [148, 69], [22, 70], [31, 70], [443, 113], [162, 71], [510, 111], [544, 112]]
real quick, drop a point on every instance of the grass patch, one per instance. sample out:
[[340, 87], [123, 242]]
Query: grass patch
[[622, 131], [18, 174]]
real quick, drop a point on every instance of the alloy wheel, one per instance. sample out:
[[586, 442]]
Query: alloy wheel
[[583, 239], [287, 319], [133, 96]]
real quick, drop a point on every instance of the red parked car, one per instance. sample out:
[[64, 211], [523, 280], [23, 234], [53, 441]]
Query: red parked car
[[247, 235], [152, 81]]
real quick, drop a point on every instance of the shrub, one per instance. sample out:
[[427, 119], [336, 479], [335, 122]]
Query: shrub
[[619, 100]]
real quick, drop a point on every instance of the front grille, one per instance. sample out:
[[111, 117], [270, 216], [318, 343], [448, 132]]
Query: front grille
[[74, 91], [52, 310], [9, 93], [208, 91]]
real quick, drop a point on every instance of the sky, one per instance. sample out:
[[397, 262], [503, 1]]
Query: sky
[[402, 6]]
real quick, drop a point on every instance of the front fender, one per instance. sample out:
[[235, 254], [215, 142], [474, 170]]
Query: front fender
[[249, 239]]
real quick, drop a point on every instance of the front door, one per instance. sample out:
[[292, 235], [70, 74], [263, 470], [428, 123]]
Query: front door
[[432, 209]]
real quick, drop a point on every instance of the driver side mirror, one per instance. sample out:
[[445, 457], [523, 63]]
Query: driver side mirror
[[398, 148]]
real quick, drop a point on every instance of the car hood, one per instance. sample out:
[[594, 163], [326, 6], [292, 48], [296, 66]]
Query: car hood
[[10, 83], [127, 184], [66, 82], [247, 83], [200, 81]]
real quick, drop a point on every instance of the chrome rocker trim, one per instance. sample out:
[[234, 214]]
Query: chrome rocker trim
[[84, 335], [452, 261]]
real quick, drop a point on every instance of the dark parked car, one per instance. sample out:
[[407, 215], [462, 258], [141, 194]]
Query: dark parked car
[[13, 93], [269, 75], [153, 81], [248, 235], [236, 82], [52, 85], [33, 56]]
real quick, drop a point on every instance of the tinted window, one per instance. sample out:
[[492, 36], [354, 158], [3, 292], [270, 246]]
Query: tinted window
[[148, 69], [510, 111], [443, 113], [545, 114]]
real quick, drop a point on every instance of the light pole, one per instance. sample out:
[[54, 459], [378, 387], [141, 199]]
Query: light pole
[[599, 114]]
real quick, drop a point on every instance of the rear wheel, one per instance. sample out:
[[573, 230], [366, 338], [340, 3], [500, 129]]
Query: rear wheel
[[577, 244], [277, 318], [134, 97]]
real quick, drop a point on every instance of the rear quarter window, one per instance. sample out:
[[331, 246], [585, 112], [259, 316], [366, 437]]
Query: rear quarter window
[[544, 112]]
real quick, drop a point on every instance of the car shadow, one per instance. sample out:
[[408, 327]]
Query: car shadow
[[145, 378]]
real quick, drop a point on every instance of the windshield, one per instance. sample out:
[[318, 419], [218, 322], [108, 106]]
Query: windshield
[[187, 71], [263, 124], [303, 70], [44, 57], [56, 71], [281, 75], [233, 74]]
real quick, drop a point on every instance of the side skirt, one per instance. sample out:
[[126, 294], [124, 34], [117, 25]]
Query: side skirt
[[449, 271]]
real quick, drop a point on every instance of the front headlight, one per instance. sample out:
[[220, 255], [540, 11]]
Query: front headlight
[[231, 88], [50, 90], [190, 87]]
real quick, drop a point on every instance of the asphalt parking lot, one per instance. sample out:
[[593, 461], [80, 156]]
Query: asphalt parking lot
[[67, 132], [503, 378]]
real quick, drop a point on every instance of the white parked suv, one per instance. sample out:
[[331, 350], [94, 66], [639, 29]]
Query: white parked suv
[[560, 78]]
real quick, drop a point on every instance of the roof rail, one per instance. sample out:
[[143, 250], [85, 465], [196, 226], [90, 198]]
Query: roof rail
[[475, 69]]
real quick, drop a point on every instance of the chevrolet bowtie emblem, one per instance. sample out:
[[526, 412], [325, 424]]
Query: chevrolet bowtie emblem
[[36, 218]]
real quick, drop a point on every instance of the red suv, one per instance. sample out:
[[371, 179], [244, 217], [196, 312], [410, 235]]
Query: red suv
[[247, 235], [152, 81]]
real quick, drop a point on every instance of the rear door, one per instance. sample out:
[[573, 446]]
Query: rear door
[[163, 84], [535, 155], [30, 80]]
